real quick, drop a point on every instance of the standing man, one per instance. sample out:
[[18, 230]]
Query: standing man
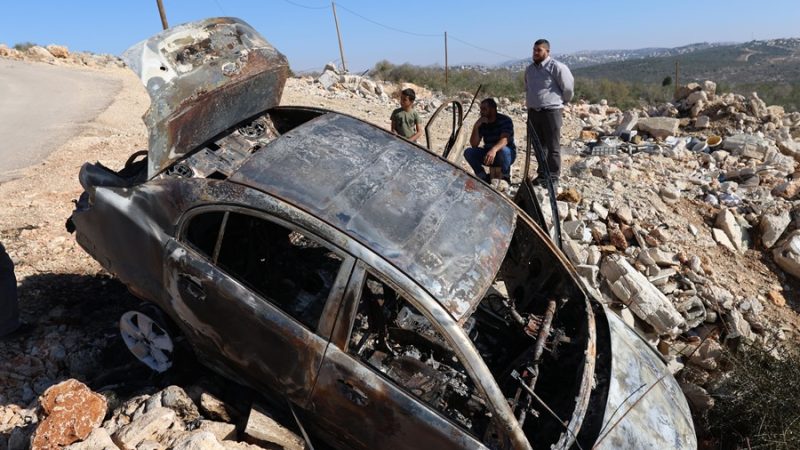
[[497, 132], [548, 86], [405, 120]]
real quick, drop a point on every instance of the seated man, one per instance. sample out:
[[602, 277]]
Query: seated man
[[497, 132]]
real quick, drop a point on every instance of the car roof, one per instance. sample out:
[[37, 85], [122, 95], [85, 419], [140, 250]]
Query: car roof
[[443, 228]]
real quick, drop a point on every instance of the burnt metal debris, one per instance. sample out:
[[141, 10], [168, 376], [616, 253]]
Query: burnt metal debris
[[392, 298]]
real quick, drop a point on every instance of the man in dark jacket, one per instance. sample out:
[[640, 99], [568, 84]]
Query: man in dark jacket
[[9, 311]]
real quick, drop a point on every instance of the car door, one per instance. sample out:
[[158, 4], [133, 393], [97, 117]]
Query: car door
[[251, 291], [387, 396]]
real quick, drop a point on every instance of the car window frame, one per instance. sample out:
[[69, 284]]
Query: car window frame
[[355, 288], [341, 281]]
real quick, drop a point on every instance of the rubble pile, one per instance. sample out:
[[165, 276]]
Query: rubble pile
[[70, 416], [662, 219], [60, 55]]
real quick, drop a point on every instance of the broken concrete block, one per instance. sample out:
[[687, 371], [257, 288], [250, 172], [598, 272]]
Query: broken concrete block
[[772, 227], [593, 255], [221, 430], [644, 299], [787, 254], [658, 127], [695, 97], [264, 431], [726, 222], [628, 123], [738, 326], [702, 122], [746, 145]]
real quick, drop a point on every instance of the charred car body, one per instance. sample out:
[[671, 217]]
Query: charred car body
[[394, 299]]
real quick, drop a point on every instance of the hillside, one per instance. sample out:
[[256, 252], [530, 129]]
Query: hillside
[[773, 61]]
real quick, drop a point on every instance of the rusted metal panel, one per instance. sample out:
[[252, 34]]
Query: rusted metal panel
[[394, 198], [646, 408], [202, 78]]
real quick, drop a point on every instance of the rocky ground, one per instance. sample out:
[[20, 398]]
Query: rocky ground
[[694, 248]]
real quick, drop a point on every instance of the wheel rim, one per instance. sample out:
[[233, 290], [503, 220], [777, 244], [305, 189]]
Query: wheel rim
[[147, 340]]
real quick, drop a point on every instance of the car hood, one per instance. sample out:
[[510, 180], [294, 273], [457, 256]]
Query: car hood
[[203, 77], [645, 407]]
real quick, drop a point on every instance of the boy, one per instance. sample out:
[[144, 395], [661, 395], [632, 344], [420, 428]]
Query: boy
[[406, 121]]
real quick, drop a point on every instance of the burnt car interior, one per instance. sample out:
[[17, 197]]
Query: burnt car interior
[[283, 265]]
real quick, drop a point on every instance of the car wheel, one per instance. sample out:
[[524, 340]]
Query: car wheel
[[149, 341]]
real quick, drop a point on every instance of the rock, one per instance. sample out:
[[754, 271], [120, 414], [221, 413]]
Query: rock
[[628, 123], [787, 190], [328, 79], [695, 97], [153, 425], [658, 127], [574, 251], [624, 214], [176, 399], [97, 440], [710, 89], [264, 431], [787, 254], [202, 440], [72, 411], [702, 122], [726, 222], [659, 257], [738, 326], [772, 227], [221, 430], [670, 194], [693, 311], [59, 51], [722, 239], [617, 238], [746, 145], [589, 273], [644, 299], [588, 135], [698, 397], [38, 53], [569, 195], [776, 298], [214, 408]]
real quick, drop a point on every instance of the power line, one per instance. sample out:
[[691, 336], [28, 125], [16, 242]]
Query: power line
[[481, 48], [305, 6], [387, 26]]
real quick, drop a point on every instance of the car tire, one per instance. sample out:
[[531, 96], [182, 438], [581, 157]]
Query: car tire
[[148, 338]]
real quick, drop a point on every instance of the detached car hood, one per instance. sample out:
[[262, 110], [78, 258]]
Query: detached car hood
[[202, 77]]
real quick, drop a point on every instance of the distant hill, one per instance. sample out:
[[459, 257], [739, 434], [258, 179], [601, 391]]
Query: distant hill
[[589, 58], [755, 62]]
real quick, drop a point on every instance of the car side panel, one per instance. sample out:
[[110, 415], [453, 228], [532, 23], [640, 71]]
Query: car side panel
[[237, 332]]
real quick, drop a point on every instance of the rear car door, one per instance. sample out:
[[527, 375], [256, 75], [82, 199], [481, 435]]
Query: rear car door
[[251, 291], [390, 380]]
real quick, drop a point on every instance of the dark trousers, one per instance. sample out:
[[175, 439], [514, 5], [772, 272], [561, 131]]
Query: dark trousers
[[547, 125], [9, 311]]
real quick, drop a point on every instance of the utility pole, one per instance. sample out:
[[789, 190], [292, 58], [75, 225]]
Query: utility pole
[[338, 35], [445, 61], [163, 14]]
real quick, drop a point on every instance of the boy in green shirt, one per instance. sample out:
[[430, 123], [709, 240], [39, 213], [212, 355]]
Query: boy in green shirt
[[406, 121]]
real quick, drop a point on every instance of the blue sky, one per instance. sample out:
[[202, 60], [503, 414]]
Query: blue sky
[[411, 30]]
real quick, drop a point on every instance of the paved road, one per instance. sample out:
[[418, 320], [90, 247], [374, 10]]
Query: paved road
[[41, 106]]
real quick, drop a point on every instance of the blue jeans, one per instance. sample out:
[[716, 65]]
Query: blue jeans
[[504, 158]]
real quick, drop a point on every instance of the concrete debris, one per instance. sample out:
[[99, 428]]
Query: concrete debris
[[644, 299], [263, 430], [772, 227], [787, 254], [726, 222], [658, 127]]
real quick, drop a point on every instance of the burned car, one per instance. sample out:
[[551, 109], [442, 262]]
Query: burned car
[[393, 299]]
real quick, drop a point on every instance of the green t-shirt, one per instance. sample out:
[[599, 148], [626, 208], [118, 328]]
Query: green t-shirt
[[405, 122]]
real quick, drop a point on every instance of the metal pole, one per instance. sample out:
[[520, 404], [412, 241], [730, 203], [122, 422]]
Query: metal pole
[[339, 35], [677, 83], [445, 61], [163, 14]]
